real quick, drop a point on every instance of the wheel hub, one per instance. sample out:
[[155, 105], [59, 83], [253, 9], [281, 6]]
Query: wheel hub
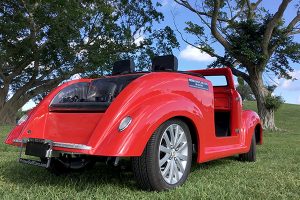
[[173, 154]]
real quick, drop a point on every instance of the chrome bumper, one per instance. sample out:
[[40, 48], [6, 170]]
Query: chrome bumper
[[43, 149], [60, 144]]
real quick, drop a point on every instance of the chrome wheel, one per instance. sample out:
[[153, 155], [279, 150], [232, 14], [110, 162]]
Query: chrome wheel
[[173, 153]]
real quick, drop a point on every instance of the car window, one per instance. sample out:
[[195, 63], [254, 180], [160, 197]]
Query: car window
[[99, 90], [73, 93], [217, 81]]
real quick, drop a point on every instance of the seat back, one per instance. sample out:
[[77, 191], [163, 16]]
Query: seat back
[[165, 63], [123, 67], [102, 92]]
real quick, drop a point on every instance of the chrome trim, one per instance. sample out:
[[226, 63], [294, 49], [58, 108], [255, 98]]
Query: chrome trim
[[17, 141], [49, 153], [60, 144], [72, 146]]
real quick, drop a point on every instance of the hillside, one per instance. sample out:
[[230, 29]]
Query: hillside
[[275, 175], [287, 117]]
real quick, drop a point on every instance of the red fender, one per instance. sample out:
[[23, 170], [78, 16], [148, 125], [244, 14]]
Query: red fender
[[143, 105], [132, 141], [251, 121]]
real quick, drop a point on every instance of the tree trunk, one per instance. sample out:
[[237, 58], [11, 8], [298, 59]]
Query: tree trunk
[[260, 93], [8, 114], [9, 109]]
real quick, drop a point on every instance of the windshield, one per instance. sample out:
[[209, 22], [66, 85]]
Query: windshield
[[73, 93], [94, 96]]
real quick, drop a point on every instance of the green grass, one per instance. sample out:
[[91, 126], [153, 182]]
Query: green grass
[[275, 175]]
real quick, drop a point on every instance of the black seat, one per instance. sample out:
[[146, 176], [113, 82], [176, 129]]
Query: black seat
[[102, 92], [123, 67], [165, 63]]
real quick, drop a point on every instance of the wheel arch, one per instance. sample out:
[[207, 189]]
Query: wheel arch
[[193, 131], [258, 133], [252, 125]]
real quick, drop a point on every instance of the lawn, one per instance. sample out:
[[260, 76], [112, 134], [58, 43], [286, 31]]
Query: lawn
[[275, 175]]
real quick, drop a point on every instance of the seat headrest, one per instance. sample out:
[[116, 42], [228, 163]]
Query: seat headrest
[[165, 63], [123, 67]]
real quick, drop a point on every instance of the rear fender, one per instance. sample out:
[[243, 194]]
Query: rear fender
[[145, 120]]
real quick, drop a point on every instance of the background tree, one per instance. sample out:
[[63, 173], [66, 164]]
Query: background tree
[[44, 42], [254, 40], [244, 90]]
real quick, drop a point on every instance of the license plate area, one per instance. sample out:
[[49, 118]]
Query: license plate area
[[37, 149]]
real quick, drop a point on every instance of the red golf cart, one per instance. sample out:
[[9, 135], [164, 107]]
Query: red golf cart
[[160, 119]]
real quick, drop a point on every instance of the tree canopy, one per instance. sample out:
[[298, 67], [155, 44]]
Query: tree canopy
[[255, 41], [43, 43]]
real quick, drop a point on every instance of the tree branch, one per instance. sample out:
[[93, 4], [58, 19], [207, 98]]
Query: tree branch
[[272, 24], [187, 5], [214, 29], [251, 8], [235, 71], [293, 23], [294, 32], [238, 13]]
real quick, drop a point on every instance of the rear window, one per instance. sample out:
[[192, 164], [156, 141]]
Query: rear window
[[94, 96]]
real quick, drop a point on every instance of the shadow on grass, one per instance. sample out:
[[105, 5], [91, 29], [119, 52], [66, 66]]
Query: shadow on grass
[[101, 174], [214, 164]]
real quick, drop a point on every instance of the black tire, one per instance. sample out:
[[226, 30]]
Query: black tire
[[57, 167], [250, 156], [146, 168]]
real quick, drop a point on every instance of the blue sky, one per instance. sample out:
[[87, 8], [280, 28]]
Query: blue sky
[[191, 58]]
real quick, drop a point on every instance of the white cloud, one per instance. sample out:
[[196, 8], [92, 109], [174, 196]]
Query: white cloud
[[286, 84], [75, 77], [163, 2], [296, 74], [170, 5], [139, 37], [138, 40], [29, 105], [292, 84], [86, 40], [298, 100], [192, 53]]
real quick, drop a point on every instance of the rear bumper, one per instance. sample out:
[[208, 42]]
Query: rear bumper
[[60, 144], [45, 150]]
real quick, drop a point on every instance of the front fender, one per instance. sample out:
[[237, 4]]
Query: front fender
[[145, 120], [251, 124]]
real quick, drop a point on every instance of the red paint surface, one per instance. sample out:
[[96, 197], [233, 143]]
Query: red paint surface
[[150, 100]]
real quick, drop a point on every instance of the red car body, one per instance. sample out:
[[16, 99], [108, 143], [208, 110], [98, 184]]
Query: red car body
[[149, 100]]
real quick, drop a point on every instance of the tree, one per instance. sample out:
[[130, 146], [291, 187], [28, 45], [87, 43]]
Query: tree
[[244, 90], [43, 43], [255, 41]]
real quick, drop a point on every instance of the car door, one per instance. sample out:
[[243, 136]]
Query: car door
[[227, 110]]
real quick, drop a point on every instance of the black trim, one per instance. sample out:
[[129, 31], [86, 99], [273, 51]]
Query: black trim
[[80, 107]]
